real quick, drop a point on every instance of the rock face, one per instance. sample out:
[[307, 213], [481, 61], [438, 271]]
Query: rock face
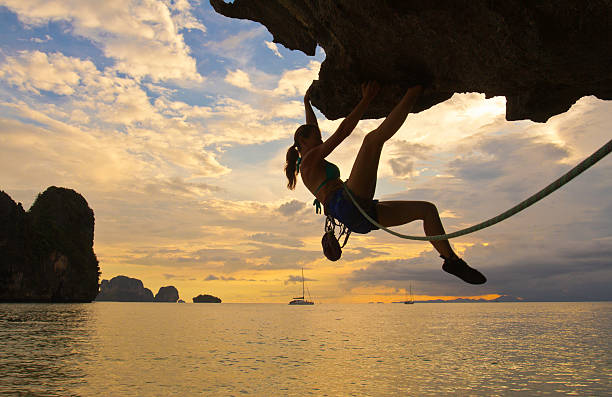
[[167, 294], [206, 299], [46, 254], [541, 55], [124, 289]]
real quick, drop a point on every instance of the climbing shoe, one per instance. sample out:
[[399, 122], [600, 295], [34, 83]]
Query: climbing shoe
[[457, 267]]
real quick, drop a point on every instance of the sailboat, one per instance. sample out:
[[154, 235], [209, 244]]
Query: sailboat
[[300, 299], [411, 300]]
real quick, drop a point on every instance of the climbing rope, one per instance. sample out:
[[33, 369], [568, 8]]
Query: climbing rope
[[571, 174]]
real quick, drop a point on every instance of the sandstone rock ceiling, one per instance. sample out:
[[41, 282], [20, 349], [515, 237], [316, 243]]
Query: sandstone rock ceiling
[[541, 55]]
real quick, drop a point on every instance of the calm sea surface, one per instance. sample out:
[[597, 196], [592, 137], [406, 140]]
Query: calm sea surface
[[160, 349]]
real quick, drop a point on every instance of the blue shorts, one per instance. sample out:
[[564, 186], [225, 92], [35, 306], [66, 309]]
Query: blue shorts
[[341, 207]]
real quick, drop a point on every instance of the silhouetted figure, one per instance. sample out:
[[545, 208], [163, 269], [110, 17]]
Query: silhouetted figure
[[307, 157]]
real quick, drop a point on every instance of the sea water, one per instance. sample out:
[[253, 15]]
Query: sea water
[[160, 349]]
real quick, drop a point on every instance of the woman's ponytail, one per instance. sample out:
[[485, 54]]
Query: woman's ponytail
[[291, 168]]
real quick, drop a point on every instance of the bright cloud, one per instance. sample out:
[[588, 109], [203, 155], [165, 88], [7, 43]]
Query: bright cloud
[[141, 36], [37, 71], [239, 78], [296, 82], [273, 47]]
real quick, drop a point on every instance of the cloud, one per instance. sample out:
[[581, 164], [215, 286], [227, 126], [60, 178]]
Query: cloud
[[581, 271], [357, 253], [141, 36], [403, 157], [238, 48], [98, 101], [272, 46], [182, 17], [40, 41], [175, 185], [296, 82], [212, 277], [279, 239], [239, 79], [277, 258], [292, 207], [491, 157], [36, 71], [297, 279]]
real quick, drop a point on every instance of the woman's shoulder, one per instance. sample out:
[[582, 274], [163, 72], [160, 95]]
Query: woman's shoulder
[[312, 156]]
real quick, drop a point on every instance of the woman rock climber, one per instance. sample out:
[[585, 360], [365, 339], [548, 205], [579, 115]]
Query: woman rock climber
[[307, 157]]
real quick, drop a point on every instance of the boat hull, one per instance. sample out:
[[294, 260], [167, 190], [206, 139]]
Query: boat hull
[[301, 302]]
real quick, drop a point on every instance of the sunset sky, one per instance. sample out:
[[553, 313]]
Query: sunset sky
[[173, 122]]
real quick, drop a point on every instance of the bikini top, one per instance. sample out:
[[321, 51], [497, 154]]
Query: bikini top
[[331, 172]]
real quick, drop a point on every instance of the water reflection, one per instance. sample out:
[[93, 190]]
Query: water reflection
[[43, 347], [142, 349]]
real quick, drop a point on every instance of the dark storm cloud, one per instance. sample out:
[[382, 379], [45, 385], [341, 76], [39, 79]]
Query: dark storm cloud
[[580, 272]]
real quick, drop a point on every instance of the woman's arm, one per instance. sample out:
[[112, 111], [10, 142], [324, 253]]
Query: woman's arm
[[347, 126], [310, 116]]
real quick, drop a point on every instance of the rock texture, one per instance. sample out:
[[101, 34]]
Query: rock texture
[[124, 289], [541, 55], [46, 254], [206, 299], [167, 294]]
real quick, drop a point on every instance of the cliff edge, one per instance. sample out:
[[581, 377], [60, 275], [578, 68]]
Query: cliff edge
[[46, 254], [541, 55]]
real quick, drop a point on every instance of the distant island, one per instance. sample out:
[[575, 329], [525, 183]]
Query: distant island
[[167, 294], [502, 298], [206, 299], [127, 289], [47, 252]]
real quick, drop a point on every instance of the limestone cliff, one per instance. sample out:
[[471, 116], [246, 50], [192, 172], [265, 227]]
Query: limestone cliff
[[167, 294], [124, 289], [541, 55], [46, 254]]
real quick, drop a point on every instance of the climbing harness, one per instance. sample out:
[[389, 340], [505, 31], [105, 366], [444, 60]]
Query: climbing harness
[[571, 174]]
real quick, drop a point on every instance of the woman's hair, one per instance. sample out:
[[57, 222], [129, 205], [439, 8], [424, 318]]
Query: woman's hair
[[293, 154]]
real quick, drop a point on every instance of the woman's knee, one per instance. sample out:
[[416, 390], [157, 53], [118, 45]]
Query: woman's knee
[[429, 209], [374, 139]]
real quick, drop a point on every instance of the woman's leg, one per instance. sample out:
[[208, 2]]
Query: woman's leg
[[362, 180], [395, 213]]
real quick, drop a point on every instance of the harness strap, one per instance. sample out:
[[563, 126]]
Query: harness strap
[[316, 201], [330, 226]]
